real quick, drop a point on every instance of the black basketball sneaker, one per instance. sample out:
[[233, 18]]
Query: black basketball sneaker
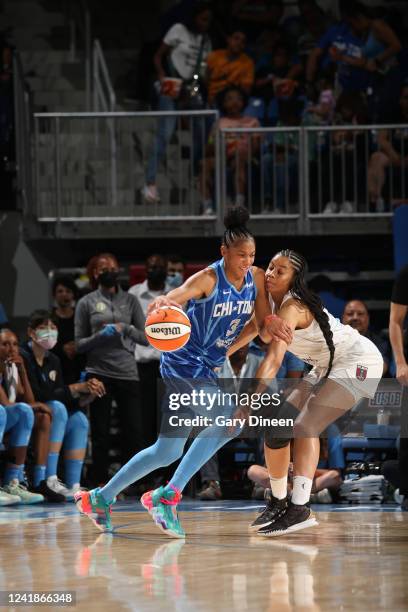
[[273, 510], [293, 519]]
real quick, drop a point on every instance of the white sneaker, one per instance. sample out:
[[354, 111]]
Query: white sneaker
[[208, 212], [346, 208], [150, 194], [6, 499], [55, 484], [330, 208]]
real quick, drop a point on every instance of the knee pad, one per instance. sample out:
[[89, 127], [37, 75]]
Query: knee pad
[[272, 442], [26, 415]]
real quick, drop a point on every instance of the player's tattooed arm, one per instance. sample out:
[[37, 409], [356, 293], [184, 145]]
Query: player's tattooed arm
[[198, 286]]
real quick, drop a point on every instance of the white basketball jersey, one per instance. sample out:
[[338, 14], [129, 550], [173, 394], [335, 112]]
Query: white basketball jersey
[[310, 345]]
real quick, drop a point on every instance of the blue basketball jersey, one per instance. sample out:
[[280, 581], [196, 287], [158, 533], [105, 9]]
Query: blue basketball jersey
[[216, 322]]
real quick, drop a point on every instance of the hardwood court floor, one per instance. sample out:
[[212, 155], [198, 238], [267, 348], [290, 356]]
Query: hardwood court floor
[[354, 560]]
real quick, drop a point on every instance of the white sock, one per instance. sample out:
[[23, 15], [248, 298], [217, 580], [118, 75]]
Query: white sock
[[279, 487], [302, 488]]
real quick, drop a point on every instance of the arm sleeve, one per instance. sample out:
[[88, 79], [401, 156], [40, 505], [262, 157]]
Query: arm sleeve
[[400, 289], [84, 340], [135, 331]]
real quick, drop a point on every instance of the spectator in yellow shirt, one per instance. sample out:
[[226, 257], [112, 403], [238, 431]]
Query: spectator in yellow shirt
[[230, 66]]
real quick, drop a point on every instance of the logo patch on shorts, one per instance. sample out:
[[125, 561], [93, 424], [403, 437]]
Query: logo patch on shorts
[[361, 372]]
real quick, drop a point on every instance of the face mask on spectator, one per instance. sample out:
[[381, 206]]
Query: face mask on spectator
[[46, 338], [157, 275], [174, 280], [108, 279]]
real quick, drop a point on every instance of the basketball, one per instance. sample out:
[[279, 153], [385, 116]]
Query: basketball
[[168, 328]]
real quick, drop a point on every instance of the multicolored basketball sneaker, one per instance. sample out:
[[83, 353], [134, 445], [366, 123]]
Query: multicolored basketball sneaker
[[161, 504], [92, 504]]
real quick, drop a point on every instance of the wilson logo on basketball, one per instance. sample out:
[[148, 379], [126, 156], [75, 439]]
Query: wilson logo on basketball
[[168, 328], [167, 331]]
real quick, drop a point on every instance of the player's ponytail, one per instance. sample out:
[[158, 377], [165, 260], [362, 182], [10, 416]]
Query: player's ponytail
[[300, 291], [235, 222]]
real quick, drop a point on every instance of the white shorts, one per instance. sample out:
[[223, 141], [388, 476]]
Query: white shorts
[[359, 371]]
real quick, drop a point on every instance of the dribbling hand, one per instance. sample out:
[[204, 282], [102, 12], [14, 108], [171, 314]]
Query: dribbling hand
[[159, 302]]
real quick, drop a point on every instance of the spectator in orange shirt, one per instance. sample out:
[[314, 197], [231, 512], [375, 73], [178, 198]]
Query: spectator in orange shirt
[[230, 66]]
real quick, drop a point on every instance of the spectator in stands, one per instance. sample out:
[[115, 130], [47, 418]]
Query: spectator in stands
[[182, 54], [65, 294], [175, 271], [399, 343], [108, 325], [323, 286], [255, 15], [379, 59], [69, 425], [147, 357], [346, 161], [16, 419], [357, 316], [392, 155], [230, 66], [240, 148], [277, 73], [339, 41]]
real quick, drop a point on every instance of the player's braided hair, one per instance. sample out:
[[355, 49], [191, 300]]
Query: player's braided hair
[[300, 291], [235, 222]]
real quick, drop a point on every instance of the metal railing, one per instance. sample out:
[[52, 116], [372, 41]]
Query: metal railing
[[262, 168], [80, 37], [22, 113], [348, 173], [80, 178], [95, 167], [104, 97]]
